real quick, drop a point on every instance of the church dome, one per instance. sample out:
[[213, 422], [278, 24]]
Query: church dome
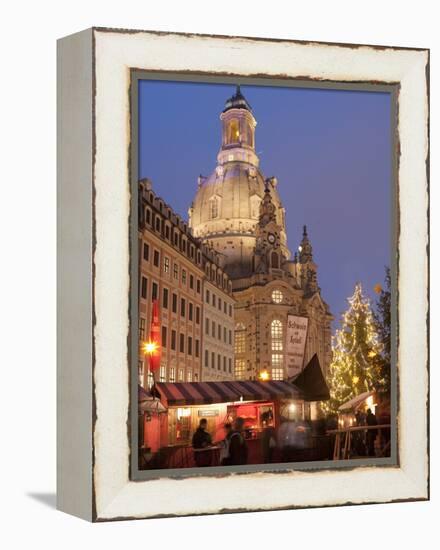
[[231, 194], [226, 207]]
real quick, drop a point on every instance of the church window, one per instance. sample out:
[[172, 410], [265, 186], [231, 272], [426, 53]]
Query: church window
[[213, 208], [240, 338], [276, 333], [233, 131], [277, 366], [277, 296], [275, 260], [240, 369]]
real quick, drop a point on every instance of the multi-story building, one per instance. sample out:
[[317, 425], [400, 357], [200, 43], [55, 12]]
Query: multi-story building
[[177, 270], [218, 321], [240, 213], [171, 271]]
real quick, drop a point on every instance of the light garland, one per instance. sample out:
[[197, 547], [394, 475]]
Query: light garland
[[355, 348]]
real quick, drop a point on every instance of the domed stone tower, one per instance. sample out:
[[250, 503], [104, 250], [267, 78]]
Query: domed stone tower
[[226, 208]]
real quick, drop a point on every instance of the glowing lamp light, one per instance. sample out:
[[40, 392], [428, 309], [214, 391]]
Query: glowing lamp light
[[150, 347], [300, 248], [292, 407], [355, 379], [372, 354], [264, 375]]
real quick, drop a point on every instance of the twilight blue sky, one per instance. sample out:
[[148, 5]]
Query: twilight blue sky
[[331, 153]]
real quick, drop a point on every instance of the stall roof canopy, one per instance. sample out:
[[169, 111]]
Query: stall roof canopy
[[311, 382], [148, 403], [204, 393], [354, 403]]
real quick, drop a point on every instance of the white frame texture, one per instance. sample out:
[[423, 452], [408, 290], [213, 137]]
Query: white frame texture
[[94, 130]]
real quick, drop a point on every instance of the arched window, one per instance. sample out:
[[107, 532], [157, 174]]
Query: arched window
[[276, 333], [233, 131], [240, 338], [249, 135], [213, 207], [275, 261], [277, 359]]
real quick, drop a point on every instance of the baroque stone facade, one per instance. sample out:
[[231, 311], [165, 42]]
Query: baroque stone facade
[[240, 214]]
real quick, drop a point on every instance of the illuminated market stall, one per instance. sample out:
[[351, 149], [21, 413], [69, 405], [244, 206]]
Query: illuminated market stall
[[222, 402]]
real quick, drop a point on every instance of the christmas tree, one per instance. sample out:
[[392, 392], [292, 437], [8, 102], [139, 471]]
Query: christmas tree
[[355, 351]]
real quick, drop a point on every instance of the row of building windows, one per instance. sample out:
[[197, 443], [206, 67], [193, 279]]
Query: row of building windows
[[193, 312], [216, 301], [180, 371], [217, 277], [174, 236], [217, 361], [194, 284], [215, 330]]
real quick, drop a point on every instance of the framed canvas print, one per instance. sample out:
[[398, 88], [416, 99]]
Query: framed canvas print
[[243, 274]]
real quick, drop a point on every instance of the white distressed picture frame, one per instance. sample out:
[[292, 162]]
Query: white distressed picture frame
[[94, 274]]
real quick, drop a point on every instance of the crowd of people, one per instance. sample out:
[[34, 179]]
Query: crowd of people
[[292, 437]]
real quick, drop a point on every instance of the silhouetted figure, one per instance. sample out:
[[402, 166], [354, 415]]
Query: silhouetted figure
[[268, 438], [200, 440], [372, 433], [225, 453], [238, 447]]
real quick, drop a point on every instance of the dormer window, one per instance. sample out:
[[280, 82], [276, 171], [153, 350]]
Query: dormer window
[[213, 208]]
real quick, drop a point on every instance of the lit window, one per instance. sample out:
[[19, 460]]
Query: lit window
[[166, 265], [277, 366], [162, 373], [233, 131], [276, 333], [141, 373], [240, 369], [240, 338], [277, 296], [189, 376], [181, 377], [172, 374]]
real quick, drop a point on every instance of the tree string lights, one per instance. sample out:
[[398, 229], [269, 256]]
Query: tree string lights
[[356, 349]]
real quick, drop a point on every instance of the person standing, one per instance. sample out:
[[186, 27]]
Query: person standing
[[288, 440], [268, 438], [201, 440], [371, 433], [225, 456], [237, 446]]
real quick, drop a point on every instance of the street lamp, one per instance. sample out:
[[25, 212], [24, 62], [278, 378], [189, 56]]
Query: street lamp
[[149, 348], [264, 375]]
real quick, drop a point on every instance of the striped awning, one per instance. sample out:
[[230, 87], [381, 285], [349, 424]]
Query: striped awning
[[205, 393]]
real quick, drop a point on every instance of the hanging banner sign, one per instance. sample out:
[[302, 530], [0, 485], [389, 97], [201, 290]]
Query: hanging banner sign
[[296, 336]]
